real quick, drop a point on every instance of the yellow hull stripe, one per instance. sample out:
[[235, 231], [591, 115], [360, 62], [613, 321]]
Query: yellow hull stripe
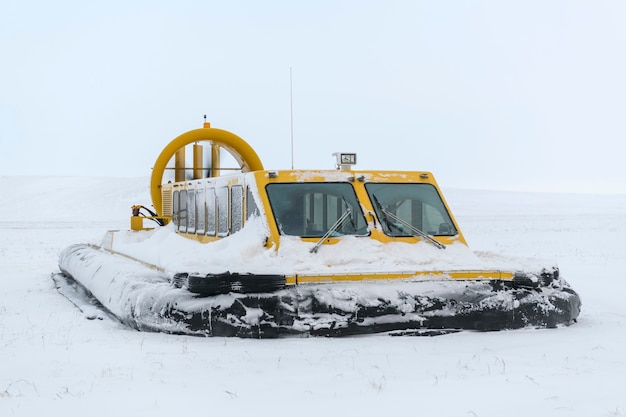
[[414, 275]]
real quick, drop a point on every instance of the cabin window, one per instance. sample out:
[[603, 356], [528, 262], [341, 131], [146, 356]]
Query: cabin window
[[200, 212], [182, 211], [251, 207], [211, 212], [222, 211], [191, 211], [236, 208], [311, 209], [417, 205], [175, 208]]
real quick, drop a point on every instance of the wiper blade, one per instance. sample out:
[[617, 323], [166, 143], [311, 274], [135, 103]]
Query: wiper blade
[[352, 222], [384, 218], [414, 230], [333, 228]]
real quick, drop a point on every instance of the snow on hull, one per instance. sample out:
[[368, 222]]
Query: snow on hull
[[144, 299]]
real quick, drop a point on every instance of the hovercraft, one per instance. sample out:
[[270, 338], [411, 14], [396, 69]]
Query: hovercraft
[[269, 253]]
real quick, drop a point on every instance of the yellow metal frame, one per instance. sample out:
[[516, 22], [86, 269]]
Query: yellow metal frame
[[243, 153], [358, 179]]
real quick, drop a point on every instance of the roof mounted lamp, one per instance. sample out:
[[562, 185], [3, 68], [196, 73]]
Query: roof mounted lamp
[[345, 160]]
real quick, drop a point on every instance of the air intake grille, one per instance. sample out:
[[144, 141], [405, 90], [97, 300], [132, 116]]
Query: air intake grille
[[166, 195]]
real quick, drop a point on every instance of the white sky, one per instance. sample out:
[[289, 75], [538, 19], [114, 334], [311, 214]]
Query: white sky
[[523, 95]]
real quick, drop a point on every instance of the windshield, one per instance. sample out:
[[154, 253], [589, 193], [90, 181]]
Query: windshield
[[416, 204], [311, 209]]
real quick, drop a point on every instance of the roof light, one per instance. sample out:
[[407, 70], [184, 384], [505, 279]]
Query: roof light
[[345, 160]]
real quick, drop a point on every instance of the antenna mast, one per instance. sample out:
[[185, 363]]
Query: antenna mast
[[291, 111]]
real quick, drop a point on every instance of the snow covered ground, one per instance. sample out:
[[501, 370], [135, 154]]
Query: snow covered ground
[[55, 361]]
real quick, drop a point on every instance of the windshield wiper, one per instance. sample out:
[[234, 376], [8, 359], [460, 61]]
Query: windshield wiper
[[352, 222], [384, 219], [414, 230], [333, 228]]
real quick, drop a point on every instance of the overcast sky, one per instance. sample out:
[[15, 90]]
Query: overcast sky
[[522, 95]]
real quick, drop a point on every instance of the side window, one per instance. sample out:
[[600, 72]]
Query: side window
[[182, 212], [211, 212], [191, 211], [200, 212], [175, 208], [236, 208], [222, 211], [251, 207]]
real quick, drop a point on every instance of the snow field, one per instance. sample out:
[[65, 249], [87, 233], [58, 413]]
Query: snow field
[[54, 361]]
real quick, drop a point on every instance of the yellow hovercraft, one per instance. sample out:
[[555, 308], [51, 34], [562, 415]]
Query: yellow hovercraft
[[303, 252]]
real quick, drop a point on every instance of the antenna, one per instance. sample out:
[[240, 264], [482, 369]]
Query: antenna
[[291, 111]]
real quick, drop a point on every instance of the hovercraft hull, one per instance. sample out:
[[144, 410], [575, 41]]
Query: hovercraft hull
[[147, 299]]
